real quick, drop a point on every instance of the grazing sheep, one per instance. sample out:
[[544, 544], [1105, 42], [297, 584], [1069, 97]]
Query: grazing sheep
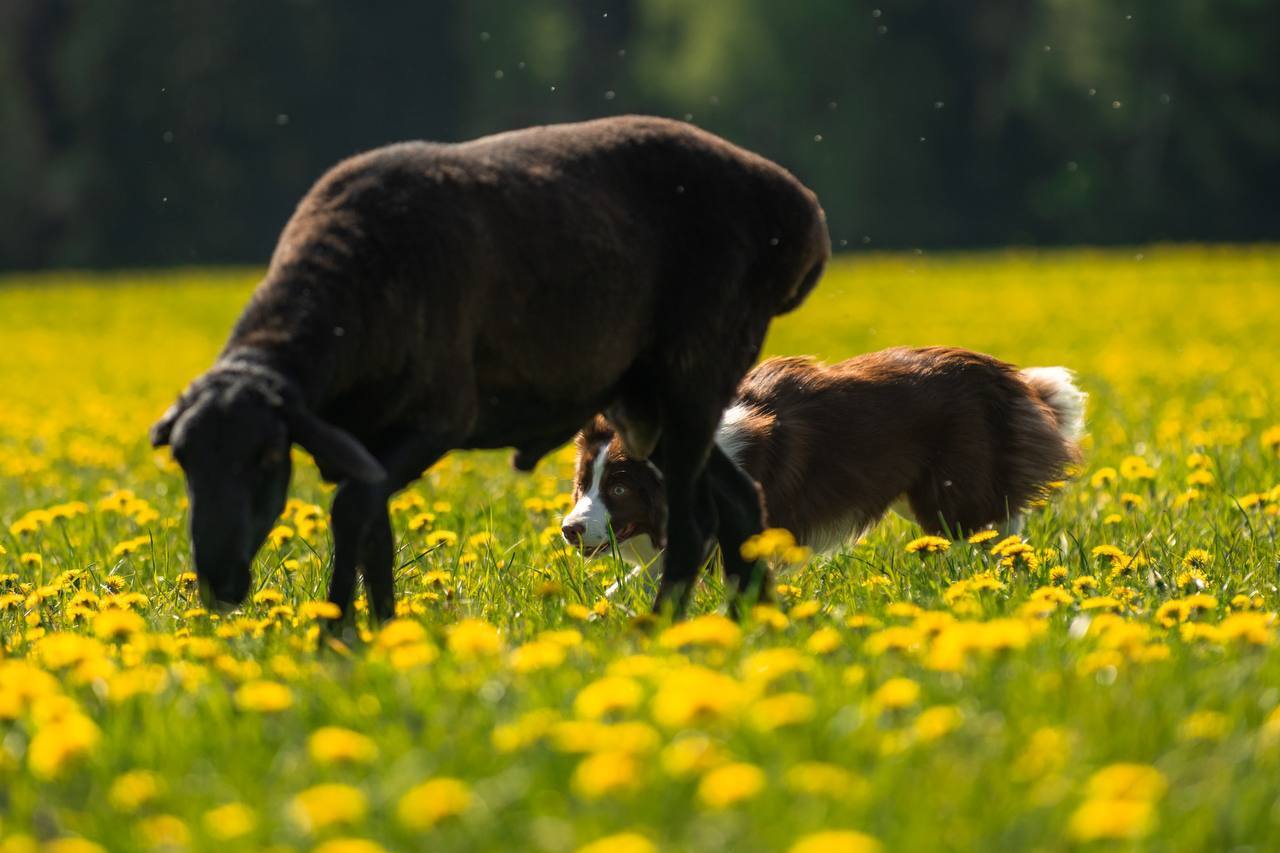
[[498, 293]]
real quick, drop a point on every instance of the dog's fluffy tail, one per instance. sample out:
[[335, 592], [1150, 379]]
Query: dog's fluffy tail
[[1056, 386]]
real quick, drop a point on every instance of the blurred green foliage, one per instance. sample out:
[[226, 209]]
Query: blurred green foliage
[[140, 132]]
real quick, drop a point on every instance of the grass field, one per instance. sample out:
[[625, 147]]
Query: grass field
[[1113, 680]]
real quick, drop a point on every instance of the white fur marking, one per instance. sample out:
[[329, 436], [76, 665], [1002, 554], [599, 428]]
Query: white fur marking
[[590, 510], [731, 436], [1066, 400]]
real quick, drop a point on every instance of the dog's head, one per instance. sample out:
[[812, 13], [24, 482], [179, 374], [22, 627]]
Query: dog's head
[[612, 492]]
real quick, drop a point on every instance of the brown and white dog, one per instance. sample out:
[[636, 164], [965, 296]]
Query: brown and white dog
[[954, 439]]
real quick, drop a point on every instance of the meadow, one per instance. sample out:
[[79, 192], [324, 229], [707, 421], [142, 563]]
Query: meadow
[[1109, 680]]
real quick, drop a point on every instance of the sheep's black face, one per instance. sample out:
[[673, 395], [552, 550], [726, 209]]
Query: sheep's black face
[[233, 446]]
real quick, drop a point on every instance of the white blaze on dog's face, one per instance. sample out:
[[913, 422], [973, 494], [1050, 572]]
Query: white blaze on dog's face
[[612, 492]]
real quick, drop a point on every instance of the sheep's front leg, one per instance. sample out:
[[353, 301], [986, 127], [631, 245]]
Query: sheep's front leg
[[362, 537], [354, 514], [377, 565]]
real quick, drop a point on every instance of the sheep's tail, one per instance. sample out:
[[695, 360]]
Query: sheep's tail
[[1056, 386]]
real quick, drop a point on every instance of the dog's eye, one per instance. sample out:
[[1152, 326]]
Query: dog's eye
[[618, 491]]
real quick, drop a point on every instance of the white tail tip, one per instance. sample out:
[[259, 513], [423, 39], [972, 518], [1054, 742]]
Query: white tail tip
[[1057, 387]]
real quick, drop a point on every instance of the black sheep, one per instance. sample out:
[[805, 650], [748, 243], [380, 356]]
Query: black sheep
[[498, 293]]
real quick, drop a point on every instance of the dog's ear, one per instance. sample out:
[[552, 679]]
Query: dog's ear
[[162, 429], [338, 453], [595, 431]]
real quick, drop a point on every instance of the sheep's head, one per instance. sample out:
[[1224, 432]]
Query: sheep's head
[[231, 433]]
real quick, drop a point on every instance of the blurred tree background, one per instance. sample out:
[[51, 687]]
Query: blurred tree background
[[140, 132]]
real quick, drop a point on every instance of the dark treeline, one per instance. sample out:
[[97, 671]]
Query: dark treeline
[[140, 132]]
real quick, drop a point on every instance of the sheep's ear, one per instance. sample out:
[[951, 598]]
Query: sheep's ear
[[161, 429], [337, 452]]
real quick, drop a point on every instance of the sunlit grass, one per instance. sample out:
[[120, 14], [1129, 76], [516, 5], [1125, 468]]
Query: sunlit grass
[[1113, 675]]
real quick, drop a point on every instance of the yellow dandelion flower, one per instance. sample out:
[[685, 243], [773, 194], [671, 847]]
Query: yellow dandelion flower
[[1046, 751], [577, 611], [730, 784], [691, 754], [820, 779], [1104, 477], [1132, 500], [1251, 627], [435, 800], [836, 841], [604, 773], [59, 744], [337, 745], [770, 616], [66, 844], [1200, 478], [132, 790], [622, 842], [1197, 558], [1112, 819], [805, 610], [349, 845], [474, 638], [1204, 725], [609, 695], [928, 545], [823, 641], [937, 722], [1126, 781], [115, 625], [694, 695], [896, 693], [898, 638], [536, 655], [1136, 468], [279, 535], [1270, 439], [322, 806], [446, 538], [400, 632], [263, 697], [766, 666], [268, 597], [709, 630], [230, 821], [165, 831], [318, 610], [783, 709], [1191, 578], [1083, 584]]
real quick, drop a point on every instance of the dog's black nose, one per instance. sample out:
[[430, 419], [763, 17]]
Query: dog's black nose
[[573, 532]]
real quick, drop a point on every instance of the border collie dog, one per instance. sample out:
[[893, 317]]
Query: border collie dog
[[955, 440]]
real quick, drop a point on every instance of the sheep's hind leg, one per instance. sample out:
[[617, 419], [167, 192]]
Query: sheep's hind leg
[[683, 451], [741, 515]]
